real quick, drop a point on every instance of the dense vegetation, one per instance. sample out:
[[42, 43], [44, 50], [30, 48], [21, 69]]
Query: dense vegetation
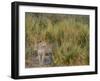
[[69, 34]]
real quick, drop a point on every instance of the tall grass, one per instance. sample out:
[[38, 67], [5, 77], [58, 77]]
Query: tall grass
[[69, 35]]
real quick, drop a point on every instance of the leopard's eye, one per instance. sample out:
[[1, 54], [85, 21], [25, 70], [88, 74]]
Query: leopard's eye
[[47, 54]]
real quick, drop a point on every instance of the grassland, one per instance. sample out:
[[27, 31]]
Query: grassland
[[69, 34]]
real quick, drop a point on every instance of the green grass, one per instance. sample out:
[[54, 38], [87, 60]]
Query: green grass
[[69, 35]]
